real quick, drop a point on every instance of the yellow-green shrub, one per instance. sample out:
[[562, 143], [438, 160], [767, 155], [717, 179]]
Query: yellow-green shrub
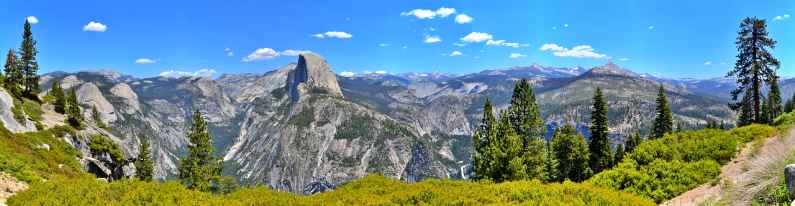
[[25, 156]]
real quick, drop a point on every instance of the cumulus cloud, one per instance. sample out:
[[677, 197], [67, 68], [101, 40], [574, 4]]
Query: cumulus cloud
[[32, 20], [516, 55], [144, 61], [429, 14], [229, 52], [347, 74], [95, 27], [381, 72], [504, 43], [291, 52], [707, 63], [432, 39], [456, 53], [781, 17], [177, 74], [476, 37], [463, 19], [581, 51], [333, 34]]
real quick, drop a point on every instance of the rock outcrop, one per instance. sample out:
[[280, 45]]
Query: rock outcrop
[[312, 75], [7, 116], [89, 95], [789, 178], [128, 96]]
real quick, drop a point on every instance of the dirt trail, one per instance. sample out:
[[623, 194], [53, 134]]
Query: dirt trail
[[750, 172], [9, 186]]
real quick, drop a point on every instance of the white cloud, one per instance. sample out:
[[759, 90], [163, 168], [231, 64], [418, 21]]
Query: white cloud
[[476, 37], [781, 17], [456, 53], [177, 74], [432, 39], [651, 27], [334, 34], [95, 27], [566, 25], [261, 54], [32, 20], [429, 14], [516, 55], [229, 52], [380, 72], [144, 61], [463, 19], [581, 51], [707, 63], [291, 52], [383, 45], [623, 59], [504, 43], [347, 74]]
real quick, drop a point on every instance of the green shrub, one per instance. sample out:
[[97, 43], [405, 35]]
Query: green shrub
[[18, 111], [102, 144], [664, 168], [32, 109], [371, 190], [25, 156]]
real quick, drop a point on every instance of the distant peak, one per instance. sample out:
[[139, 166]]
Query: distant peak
[[312, 74], [610, 69]]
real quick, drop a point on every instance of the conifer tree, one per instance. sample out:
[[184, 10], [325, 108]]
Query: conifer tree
[[12, 73], [571, 154], [73, 111], [663, 122], [774, 100], [144, 166], [97, 117], [633, 142], [599, 146], [60, 99], [551, 165], [200, 170], [27, 61], [525, 118], [619, 154], [755, 66], [481, 141], [509, 153]]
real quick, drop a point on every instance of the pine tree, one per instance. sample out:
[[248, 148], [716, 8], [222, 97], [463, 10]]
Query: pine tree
[[633, 142], [551, 165], [599, 146], [525, 118], [60, 100], [200, 169], [481, 141], [663, 122], [765, 115], [788, 106], [27, 63], [619, 154], [571, 154], [755, 66], [144, 166], [510, 153], [12, 73], [73, 111], [774, 100]]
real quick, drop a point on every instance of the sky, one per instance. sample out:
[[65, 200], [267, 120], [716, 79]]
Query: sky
[[675, 38]]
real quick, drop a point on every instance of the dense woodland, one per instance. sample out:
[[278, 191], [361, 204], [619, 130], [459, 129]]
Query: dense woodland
[[513, 163]]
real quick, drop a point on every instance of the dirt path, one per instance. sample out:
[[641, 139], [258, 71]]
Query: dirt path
[[9, 186], [750, 172]]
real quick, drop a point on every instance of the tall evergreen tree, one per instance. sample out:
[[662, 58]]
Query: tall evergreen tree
[[13, 75], [200, 169], [525, 118], [663, 122], [571, 154], [73, 111], [746, 115], [60, 99], [774, 99], [599, 146], [144, 166], [755, 66], [633, 142], [619, 154], [481, 141], [28, 65]]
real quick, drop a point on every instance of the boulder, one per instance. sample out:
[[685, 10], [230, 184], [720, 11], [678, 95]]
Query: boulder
[[789, 177]]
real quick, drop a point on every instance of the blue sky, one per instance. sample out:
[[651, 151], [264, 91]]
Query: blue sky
[[677, 38]]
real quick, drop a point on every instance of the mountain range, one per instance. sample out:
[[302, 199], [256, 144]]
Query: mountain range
[[302, 128]]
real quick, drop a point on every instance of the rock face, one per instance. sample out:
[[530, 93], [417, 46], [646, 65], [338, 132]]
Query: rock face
[[789, 178], [312, 75], [89, 95], [7, 117]]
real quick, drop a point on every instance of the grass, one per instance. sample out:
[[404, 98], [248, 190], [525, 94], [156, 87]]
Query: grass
[[664, 168], [370, 190], [25, 156]]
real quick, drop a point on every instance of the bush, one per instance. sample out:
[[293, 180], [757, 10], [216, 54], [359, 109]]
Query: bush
[[102, 144], [664, 168], [371, 190], [26, 157]]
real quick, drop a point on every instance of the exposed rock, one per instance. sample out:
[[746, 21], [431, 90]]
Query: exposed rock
[[789, 178], [89, 95], [9, 186], [312, 75], [7, 116], [318, 185], [70, 81], [129, 97]]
